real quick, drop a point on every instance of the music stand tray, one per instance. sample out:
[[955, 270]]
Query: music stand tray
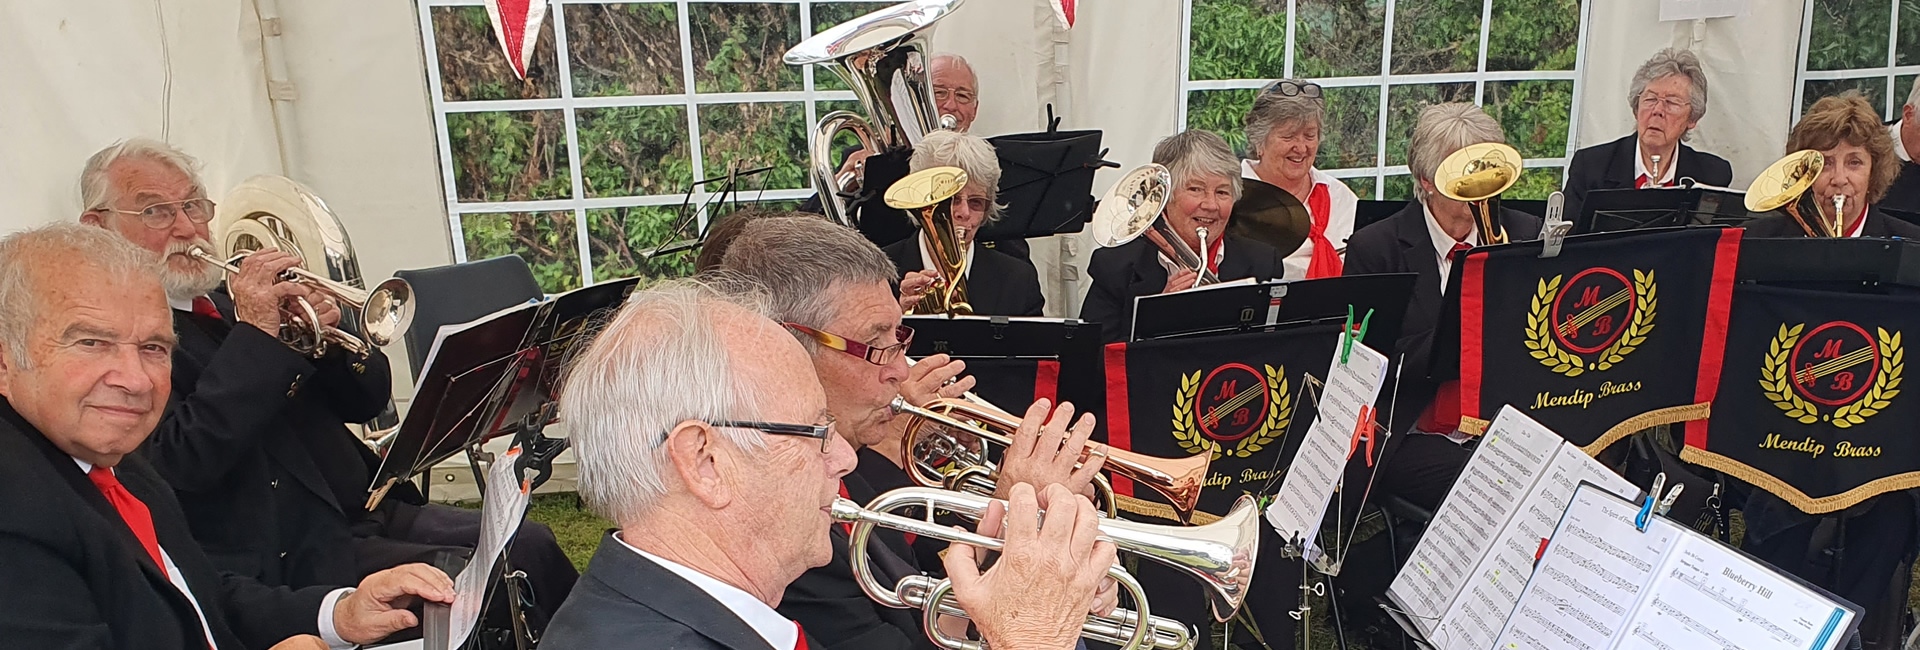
[[1830, 260], [1276, 304], [1631, 209], [986, 341]]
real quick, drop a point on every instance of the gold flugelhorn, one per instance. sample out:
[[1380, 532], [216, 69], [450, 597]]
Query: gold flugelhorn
[[1220, 555], [1477, 174], [1132, 209], [1787, 185], [928, 195], [946, 448]]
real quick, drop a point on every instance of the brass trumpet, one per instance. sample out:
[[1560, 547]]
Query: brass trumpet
[[946, 441], [928, 195], [1220, 555], [1477, 174]]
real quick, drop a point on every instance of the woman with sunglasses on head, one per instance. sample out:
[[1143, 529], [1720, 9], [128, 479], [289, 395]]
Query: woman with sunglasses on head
[[1669, 96], [1283, 140]]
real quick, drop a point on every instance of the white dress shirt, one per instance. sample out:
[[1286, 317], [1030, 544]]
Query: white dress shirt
[[779, 631], [1669, 163], [1341, 204], [1443, 245], [926, 256], [1899, 148], [179, 582]]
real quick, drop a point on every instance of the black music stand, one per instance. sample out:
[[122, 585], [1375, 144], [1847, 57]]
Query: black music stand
[[1631, 209], [1046, 181], [998, 348], [1278, 304], [1830, 262]]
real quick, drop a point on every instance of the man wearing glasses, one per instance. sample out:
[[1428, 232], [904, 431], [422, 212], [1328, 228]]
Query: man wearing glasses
[[1669, 96], [254, 441], [833, 289]]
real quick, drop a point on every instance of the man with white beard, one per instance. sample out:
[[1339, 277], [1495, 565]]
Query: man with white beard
[[254, 440]]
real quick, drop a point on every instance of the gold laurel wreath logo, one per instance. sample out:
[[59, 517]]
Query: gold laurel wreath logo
[[1776, 381], [1187, 432], [1540, 343]]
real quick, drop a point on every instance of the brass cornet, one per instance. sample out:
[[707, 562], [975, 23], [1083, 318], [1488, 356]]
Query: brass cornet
[[928, 195], [946, 448], [1477, 174], [1787, 185], [1220, 555]]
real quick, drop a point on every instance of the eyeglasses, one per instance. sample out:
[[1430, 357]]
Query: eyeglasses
[[824, 432], [162, 215], [964, 97], [1292, 88], [977, 204], [876, 355], [1670, 104]]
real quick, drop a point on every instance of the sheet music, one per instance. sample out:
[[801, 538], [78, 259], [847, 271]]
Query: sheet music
[[1322, 459], [1594, 573], [1481, 610], [451, 329], [1708, 597], [1514, 452], [501, 510]]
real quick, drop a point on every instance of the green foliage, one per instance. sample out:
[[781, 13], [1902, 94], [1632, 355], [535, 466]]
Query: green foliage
[[1849, 34], [737, 47], [624, 49], [544, 239], [1238, 39], [1534, 35], [1337, 38], [1436, 36]]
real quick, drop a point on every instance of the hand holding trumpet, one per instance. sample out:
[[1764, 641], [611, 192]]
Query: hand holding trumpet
[[260, 291], [1035, 596]]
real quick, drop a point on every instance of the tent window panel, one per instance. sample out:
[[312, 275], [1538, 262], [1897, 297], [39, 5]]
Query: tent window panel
[[1906, 46], [1535, 114], [1534, 35], [1849, 34], [1238, 39], [1397, 187], [472, 67], [1223, 112], [1874, 87], [1337, 38], [544, 239], [744, 137], [1361, 186], [1436, 36], [1902, 89], [509, 155], [634, 150], [620, 240], [1404, 104], [1535, 184], [1350, 130], [624, 49], [737, 47]]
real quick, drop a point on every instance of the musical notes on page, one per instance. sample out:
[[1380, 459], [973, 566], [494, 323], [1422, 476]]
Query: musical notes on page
[[1309, 484], [1591, 578]]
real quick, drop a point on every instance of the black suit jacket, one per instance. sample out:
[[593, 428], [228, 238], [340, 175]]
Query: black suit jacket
[[1401, 244], [998, 284], [1131, 270], [75, 577], [829, 603], [1878, 225], [1609, 166], [626, 601], [1905, 193], [253, 442]]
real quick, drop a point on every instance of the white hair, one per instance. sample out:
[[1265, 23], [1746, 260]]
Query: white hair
[[63, 246], [1670, 62], [1273, 108], [1913, 96], [96, 190], [957, 60], [661, 361], [1194, 154], [1444, 129], [971, 153], [801, 261]]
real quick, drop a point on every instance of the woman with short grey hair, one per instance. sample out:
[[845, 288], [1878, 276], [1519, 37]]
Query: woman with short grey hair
[[1668, 96], [997, 284], [1283, 140]]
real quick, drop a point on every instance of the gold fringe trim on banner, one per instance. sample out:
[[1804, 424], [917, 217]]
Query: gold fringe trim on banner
[[1474, 426], [1648, 420], [1807, 504], [1159, 510]]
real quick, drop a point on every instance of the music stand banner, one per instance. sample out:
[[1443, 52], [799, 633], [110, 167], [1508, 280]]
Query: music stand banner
[[1611, 336], [1234, 397], [1810, 405]]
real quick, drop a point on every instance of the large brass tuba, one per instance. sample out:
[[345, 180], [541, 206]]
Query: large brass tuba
[[928, 195], [883, 57], [1220, 555], [1787, 185], [1477, 174], [277, 212]]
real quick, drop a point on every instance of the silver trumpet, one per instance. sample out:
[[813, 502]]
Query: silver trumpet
[[1220, 555]]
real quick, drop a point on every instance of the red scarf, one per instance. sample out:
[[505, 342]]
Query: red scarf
[[1326, 261]]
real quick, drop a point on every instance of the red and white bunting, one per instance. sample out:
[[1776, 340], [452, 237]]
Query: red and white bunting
[[1063, 10], [516, 24]]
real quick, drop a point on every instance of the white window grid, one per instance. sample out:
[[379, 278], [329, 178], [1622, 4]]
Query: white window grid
[[1386, 80], [1889, 72], [567, 103]]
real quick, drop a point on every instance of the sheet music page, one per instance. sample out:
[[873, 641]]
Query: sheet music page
[[451, 329], [1322, 459], [1595, 570], [1709, 597], [1482, 607], [1514, 453], [501, 510]]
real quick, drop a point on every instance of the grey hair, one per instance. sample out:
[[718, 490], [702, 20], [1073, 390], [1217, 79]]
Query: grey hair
[[1444, 129], [1194, 153], [95, 188], [1666, 63], [58, 245], [801, 260], [971, 153], [1272, 109], [955, 58], [1913, 96], [659, 362]]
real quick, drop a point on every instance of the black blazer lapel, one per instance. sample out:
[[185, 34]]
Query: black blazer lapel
[[1149, 277], [662, 590], [1620, 165]]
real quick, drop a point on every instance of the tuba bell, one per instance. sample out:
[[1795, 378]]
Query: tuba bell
[[928, 195], [1476, 175], [883, 57], [277, 212], [1787, 185]]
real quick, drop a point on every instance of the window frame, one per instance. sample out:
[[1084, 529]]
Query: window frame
[[1891, 72]]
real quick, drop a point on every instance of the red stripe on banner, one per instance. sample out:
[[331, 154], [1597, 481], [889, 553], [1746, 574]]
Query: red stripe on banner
[[1046, 382], [1713, 340], [1119, 425], [1473, 298]]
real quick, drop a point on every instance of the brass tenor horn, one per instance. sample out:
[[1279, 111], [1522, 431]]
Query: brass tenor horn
[[883, 57], [276, 212], [1477, 174], [928, 195], [946, 443], [1220, 555], [1787, 185], [1133, 208]]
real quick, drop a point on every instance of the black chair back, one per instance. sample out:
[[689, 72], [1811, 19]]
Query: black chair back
[[457, 293]]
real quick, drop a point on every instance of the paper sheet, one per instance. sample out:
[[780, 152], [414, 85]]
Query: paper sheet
[[1591, 578], [1710, 598], [501, 511], [1322, 459]]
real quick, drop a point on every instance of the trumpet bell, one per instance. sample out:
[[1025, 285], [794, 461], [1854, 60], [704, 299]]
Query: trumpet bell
[[388, 311], [1784, 181], [1478, 172], [1131, 206]]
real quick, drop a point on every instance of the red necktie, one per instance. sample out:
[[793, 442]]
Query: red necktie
[[800, 641], [1325, 262], [131, 510], [203, 306], [1458, 248]]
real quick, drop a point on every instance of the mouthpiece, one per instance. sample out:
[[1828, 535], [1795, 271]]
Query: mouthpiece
[[949, 122], [1656, 169]]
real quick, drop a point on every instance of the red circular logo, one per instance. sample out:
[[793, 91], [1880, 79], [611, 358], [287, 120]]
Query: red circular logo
[[1592, 310], [1233, 402], [1834, 364]]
